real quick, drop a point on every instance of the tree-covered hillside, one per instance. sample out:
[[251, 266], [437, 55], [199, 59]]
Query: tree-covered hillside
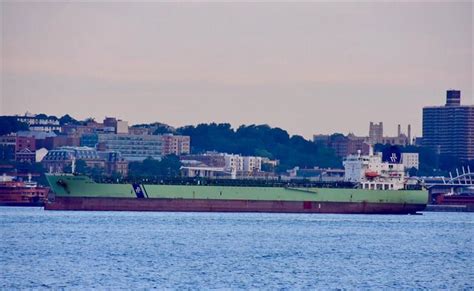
[[9, 124], [260, 140]]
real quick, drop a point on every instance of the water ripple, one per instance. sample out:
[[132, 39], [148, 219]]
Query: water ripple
[[118, 250]]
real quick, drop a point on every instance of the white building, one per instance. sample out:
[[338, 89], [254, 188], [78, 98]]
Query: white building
[[202, 171], [238, 163], [233, 163], [40, 154], [410, 160], [122, 127], [251, 164]]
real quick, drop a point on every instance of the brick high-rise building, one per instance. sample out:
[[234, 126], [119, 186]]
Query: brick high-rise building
[[175, 144], [449, 129]]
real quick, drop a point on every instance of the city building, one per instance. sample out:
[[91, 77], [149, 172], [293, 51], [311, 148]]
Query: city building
[[17, 148], [137, 147], [25, 156], [99, 127], [58, 159], [25, 150], [7, 147], [119, 126], [357, 143], [203, 172], [131, 147], [76, 129], [375, 133], [40, 122], [37, 135], [25, 142], [222, 164], [122, 127], [110, 122], [136, 130], [211, 159], [54, 142], [340, 144], [114, 163], [89, 140], [411, 160], [273, 163], [346, 145], [251, 164], [40, 154], [233, 163], [175, 144], [449, 129]]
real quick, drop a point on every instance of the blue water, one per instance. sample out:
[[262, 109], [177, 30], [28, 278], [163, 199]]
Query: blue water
[[111, 250]]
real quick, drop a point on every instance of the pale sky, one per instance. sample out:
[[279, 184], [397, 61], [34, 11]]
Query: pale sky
[[307, 68]]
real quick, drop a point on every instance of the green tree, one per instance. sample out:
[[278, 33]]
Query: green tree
[[162, 129], [81, 167], [167, 167], [260, 140], [67, 119], [9, 124]]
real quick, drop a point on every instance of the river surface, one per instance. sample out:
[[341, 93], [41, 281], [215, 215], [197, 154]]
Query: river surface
[[123, 250]]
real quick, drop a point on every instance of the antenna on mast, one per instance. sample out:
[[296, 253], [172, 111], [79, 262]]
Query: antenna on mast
[[73, 165]]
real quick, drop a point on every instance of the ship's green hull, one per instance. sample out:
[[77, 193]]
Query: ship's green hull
[[81, 193]]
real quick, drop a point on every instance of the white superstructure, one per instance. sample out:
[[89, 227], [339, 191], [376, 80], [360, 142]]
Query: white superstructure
[[371, 173]]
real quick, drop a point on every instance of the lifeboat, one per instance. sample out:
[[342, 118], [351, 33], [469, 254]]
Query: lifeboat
[[371, 174]]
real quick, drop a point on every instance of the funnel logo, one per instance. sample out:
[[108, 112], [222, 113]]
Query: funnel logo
[[138, 191], [391, 155], [393, 158]]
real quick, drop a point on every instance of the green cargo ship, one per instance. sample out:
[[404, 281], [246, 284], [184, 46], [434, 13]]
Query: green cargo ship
[[75, 192]]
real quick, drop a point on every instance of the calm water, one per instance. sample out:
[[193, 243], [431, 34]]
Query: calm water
[[109, 250]]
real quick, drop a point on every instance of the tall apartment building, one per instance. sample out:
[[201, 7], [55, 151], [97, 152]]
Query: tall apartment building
[[175, 144], [449, 129]]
